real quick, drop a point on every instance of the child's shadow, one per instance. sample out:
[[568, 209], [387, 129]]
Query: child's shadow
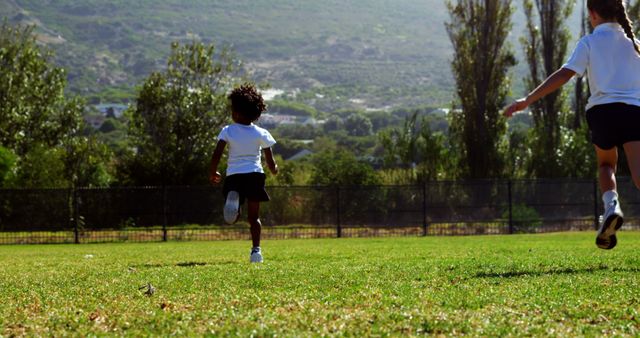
[[182, 264]]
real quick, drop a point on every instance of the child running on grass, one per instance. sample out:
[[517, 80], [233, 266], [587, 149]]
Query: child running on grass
[[611, 58], [245, 177]]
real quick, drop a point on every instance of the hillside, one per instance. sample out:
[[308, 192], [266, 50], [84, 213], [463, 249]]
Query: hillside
[[331, 54]]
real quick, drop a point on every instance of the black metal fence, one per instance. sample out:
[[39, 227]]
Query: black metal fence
[[195, 213]]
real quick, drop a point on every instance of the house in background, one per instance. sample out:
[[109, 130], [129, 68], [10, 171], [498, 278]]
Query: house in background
[[112, 109]]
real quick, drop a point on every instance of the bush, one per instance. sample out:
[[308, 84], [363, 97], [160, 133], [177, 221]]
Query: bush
[[525, 218]]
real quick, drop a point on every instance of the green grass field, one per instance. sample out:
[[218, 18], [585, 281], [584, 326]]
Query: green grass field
[[552, 284]]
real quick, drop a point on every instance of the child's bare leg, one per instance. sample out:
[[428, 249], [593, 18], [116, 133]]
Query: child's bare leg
[[632, 150], [254, 220], [612, 218], [607, 162]]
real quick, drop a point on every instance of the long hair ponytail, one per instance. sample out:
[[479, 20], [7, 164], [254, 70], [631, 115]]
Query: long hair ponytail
[[623, 20], [615, 9]]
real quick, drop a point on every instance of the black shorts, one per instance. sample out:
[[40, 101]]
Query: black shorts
[[249, 186], [613, 124]]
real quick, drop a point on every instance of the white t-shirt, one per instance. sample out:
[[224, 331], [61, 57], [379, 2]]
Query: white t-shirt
[[245, 145], [611, 63]]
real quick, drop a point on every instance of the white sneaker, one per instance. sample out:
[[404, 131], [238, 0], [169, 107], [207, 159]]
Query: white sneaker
[[232, 207], [256, 255], [611, 221]]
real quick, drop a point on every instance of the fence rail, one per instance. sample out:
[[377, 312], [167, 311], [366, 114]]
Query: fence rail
[[140, 214]]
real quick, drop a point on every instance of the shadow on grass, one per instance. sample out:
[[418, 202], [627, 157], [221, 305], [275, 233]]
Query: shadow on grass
[[182, 264], [564, 271]]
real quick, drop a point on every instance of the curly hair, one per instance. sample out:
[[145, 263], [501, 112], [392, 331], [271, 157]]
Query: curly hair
[[247, 101]]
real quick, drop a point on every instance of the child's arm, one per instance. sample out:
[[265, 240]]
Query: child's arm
[[552, 83], [271, 163], [214, 175]]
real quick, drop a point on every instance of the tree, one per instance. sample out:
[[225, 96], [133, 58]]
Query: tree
[[436, 157], [401, 144], [358, 125], [34, 109], [421, 153], [633, 11], [545, 51], [7, 163], [581, 93], [41, 166], [86, 162], [177, 116], [37, 122], [341, 168], [333, 123], [478, 31]]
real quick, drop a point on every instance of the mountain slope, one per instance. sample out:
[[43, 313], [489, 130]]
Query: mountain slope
[[369, 53]]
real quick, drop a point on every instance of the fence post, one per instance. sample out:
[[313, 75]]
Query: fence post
[[596, 217], [164, 213], [338, 225], [509, 188], [76, 216], [424, 209]]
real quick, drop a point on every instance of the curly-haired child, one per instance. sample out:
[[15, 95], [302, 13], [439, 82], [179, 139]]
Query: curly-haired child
[[245, 179]]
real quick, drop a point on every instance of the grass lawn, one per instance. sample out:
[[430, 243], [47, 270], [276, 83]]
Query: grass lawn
[[550, 284]]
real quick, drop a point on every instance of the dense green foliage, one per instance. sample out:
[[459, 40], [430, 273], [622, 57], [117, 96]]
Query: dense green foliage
[[169, 132], [7, 163], [177, 117], [478, 31], [341, 168], [546, 52], [519, 285], [423, 154], [38, 123], [34, 109]]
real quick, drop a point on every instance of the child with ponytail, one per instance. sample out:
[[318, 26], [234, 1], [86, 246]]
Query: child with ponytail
[[610, 56]]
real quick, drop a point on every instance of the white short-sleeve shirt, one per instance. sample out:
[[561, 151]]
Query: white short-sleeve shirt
[[245, 147], [611, 63]]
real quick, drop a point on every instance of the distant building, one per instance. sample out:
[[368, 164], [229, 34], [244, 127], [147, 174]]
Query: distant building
[[112, 109], [271, 120]]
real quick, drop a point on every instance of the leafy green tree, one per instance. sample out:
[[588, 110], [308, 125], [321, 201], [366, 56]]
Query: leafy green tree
[[341, 168], [437, 159], [41, 166], [576, 151], [401, 144], [86, 162], [37, 122], [177, 116], [7, 163], [518, 152], [333, 123], [545, 51], [421, 152], [110, 125], [34, 109], [358, 125], [581, 90], [633, 11], [478, 31]]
